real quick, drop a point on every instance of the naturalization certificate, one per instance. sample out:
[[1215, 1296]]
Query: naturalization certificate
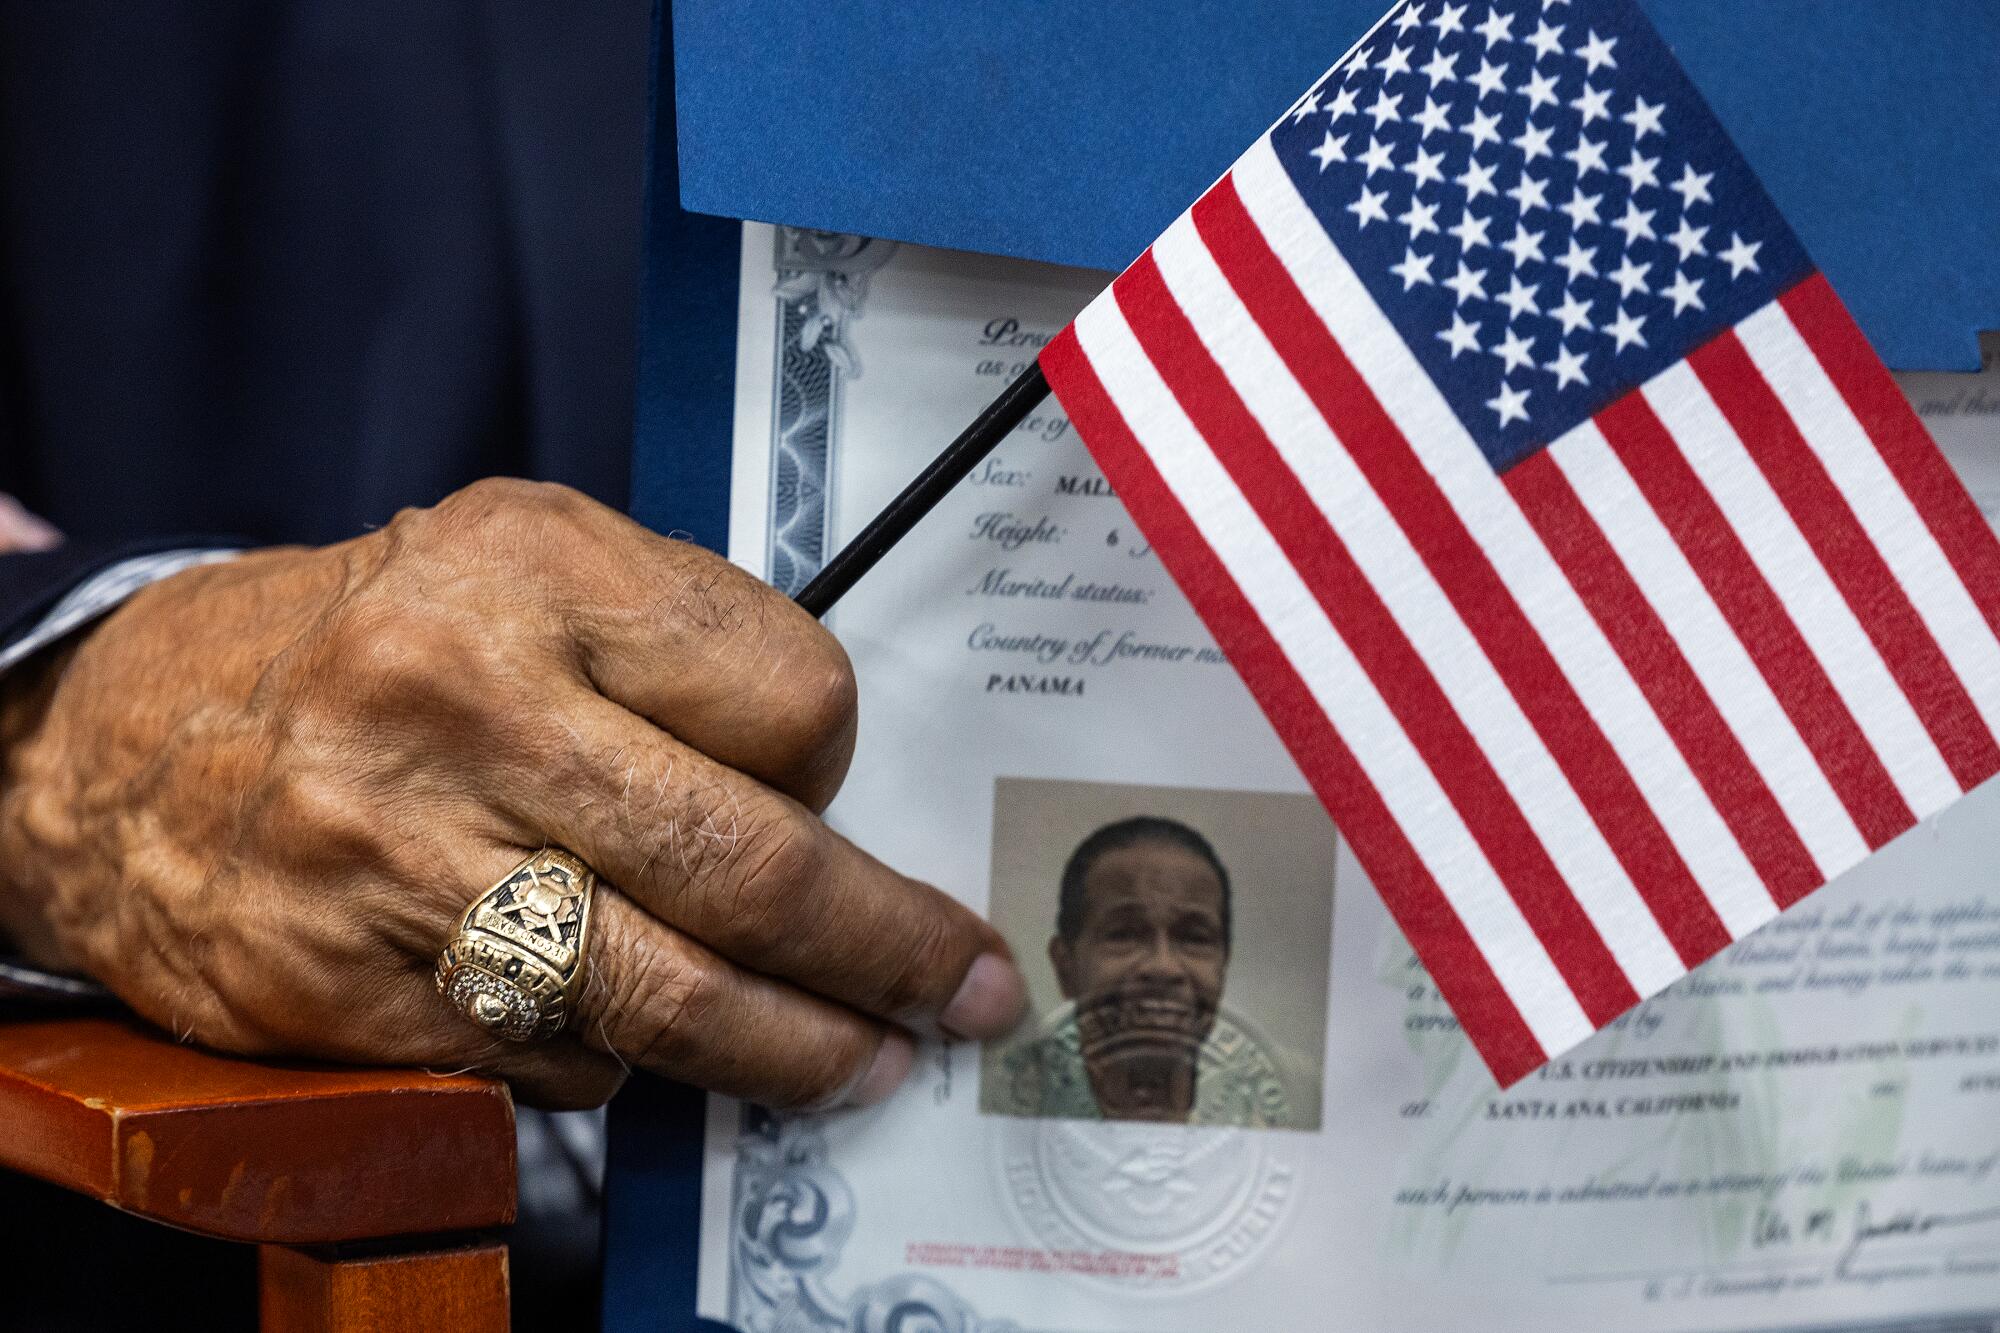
[[1238, 1101]]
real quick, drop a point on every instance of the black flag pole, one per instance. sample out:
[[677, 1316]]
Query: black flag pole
[[921, 496]]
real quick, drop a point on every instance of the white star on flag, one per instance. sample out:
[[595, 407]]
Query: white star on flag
[[1567, 367], [1496, 28], [1637, 224], [1573, 313], [1470, 230], [1450, 19], [1435, 117], [1686, 238], [1693, 186], [1476, 179], [1580, 261], [1642, 171], [1519, 297], [1529, 193], [1419, 217], [1684, 291], [1369, 207], [1741, 256], [1332, 149], [1581, 210], [1625, 330], [1511, 403], [1524, 245], [1593, 104], [1482, 129], [1490, 79], [1414, 269], [1630, 275], [1467, 283], [1587, 154], [1644, 117], [1514, 351], [1461, 336], [1425, 167], [1596, 53]]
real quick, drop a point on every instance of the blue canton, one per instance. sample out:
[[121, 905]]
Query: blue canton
[[1540, 201]]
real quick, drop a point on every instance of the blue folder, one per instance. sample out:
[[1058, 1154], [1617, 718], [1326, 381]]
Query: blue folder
[[1074, 132]]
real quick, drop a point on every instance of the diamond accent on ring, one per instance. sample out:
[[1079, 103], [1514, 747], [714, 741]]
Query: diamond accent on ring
[[493, 1003]]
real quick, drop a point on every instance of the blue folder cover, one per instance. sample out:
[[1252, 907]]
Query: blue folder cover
[[1076, 132]]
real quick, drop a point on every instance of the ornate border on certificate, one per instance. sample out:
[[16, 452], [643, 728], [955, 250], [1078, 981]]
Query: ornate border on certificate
[[821, 283], [791, 1215], [791, 1211]]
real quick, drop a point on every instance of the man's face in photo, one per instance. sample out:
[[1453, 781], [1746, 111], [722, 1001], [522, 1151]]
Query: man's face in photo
[[1147, 962]]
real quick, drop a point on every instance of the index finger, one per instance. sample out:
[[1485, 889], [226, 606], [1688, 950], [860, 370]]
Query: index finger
[[700, 648], [761, 880]]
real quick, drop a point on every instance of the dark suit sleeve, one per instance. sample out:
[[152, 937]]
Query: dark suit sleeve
[[32, 583]]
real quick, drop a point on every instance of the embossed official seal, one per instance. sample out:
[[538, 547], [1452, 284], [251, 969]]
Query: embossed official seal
[[1196, 1204], [1242, 1079]]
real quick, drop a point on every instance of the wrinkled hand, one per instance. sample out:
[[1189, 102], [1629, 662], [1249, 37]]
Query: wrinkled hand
[[255, 799]]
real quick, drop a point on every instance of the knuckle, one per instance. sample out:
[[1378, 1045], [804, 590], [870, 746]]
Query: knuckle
[[776, 860], [512, 517], [494, 496], [323, 806], [822, 717], [390, 642], [817, 1079], [919, 977], [709, 594], [657, 1013]]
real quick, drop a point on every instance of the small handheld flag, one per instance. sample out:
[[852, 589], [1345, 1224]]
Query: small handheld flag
[[1579, 548]]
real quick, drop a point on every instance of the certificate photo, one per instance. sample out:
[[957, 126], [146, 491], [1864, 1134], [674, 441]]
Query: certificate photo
[[1175, 943]]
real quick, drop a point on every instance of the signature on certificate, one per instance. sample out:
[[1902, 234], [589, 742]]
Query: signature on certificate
[[1870, 1233]]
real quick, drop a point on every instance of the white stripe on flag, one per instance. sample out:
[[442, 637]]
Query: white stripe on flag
[[1879, 503], [1716, 656], [1524, 565], [1420, 608], [1844, 651], [1338, 684]]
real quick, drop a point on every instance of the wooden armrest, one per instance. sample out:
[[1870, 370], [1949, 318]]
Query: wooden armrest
[[250, 1151]]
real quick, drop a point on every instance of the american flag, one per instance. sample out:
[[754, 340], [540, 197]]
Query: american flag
[[1576, 543]]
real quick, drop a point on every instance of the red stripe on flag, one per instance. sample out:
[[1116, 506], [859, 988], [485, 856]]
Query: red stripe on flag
[[1735, 788], [1954, 520], [1405, 683], [1856, 567], [1757, 615], [1426, 917], [1316, 360]]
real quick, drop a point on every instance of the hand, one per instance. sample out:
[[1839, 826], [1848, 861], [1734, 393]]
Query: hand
[[22, 531], [255, 799]]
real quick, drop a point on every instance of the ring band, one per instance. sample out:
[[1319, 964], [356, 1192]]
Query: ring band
[[515, 965]]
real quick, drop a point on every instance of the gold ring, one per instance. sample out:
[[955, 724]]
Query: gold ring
[[516, 963]]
